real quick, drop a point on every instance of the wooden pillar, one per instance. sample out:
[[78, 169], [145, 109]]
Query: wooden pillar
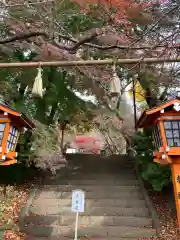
[[175, 169]]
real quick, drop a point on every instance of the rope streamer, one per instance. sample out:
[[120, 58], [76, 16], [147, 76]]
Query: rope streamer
[[37, 89], [115, 87]]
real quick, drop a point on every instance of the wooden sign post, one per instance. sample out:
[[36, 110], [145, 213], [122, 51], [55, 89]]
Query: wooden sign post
[[78, 201]]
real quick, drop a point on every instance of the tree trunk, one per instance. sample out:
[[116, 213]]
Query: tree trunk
[[50, 118]]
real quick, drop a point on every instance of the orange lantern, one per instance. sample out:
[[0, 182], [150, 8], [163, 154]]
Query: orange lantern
[[165, 120], [12, 124]]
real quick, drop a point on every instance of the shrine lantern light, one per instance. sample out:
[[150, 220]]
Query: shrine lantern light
[[165, 121], [12, 124]]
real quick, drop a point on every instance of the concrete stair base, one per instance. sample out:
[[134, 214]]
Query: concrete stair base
[[104, 231], [66, 238], [93, 211], [52, 220], [110, 202]]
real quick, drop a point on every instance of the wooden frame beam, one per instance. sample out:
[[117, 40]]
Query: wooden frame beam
[[89, 62]]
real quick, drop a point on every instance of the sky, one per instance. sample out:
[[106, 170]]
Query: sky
[[84, 97]]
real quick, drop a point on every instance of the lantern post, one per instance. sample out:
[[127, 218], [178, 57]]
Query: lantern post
[[165, 121]]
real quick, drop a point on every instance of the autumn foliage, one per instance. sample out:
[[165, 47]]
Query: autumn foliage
[[119, 11]]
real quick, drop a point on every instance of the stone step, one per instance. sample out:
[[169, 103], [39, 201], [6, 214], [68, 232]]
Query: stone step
[[53, 220], [91, 195], [30, 237], [118, 170], [98, 176], [106, 182], [103, 163], [92, 211], [103, 169], [95, 231], [95, 203], [89, 188], [82, 172], [104, 166]]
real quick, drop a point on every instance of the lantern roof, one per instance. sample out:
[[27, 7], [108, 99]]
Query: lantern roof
[[24, 121], [150, 115]]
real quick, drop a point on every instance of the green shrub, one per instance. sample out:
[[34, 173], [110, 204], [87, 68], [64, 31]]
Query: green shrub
[[153, 173], [18, 173], [42, 149]]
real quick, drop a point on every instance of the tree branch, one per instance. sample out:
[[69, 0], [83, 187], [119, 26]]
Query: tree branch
[[78, 43], [29, 4], [105, 47], [23, 36], [85, 40]]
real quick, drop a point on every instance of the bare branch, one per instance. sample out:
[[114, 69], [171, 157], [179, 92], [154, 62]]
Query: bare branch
[[23, 36], [77, 44], [85, 41], [29, 4]]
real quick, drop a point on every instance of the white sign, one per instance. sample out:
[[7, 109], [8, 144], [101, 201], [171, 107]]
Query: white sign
[[71, 150], [78, 200]]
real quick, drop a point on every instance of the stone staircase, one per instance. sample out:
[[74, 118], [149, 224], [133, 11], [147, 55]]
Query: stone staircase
[[115, 207]]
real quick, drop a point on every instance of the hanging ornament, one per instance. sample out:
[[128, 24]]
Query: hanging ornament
[[139, 91], [37, 89], [115, 88]]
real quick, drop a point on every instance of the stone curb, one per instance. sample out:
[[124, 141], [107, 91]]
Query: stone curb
[[4, 228], [152, 210], [25, 210], [1, 233]]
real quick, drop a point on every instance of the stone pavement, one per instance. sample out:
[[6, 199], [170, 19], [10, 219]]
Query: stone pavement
[[115, 208]]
